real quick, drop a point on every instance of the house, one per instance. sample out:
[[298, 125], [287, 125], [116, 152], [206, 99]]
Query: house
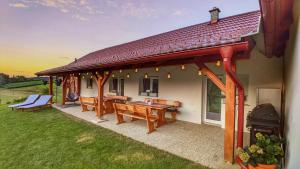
[[219, 70]]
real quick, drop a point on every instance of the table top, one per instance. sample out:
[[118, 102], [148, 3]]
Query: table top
[[153, 105]]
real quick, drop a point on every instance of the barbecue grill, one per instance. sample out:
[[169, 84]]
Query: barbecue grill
[[264, 119]]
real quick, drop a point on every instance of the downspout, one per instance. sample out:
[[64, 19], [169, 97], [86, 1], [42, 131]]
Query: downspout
[[227, 54]]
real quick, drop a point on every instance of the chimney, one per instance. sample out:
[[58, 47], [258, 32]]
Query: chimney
[[214, 15]]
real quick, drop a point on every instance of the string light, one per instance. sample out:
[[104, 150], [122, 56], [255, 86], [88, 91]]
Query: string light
[[146, 75], [199, 72], [79, 74], [96, 72], [157, 69], [91, 77], [218, 63], [120, 70], [182, 67], [82, 77], [169, 75], [136, 70], [113, 75], [128, 75], [107, 72]]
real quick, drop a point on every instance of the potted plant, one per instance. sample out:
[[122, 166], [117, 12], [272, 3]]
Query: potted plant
[[264, 154]]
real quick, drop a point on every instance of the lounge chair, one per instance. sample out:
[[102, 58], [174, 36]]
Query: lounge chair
[[30, 100], [43, 100]]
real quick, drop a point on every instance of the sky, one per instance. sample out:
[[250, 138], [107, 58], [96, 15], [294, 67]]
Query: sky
[[39, 34]]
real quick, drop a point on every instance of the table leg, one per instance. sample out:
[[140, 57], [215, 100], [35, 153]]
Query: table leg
[[161, 117]]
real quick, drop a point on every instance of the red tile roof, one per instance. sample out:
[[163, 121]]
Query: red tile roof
[[227, 30]]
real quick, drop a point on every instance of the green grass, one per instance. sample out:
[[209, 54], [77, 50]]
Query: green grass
[[9, 95], [22, 84], [51, 139]]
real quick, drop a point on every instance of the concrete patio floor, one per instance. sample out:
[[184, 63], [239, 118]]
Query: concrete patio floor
[[199, 143]]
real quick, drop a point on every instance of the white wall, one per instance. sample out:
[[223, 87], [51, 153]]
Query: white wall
[[292, 100]]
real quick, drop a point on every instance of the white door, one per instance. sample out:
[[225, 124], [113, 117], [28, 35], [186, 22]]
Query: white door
[[212, 103]]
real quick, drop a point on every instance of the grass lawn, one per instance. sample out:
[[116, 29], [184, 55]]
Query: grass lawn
[[8, 95], [51, 139]]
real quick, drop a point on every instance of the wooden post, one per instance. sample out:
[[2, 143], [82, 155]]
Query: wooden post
[[101, 79], [64, 90], [78, 85], [229, 135], [51, 88], [100, 96]]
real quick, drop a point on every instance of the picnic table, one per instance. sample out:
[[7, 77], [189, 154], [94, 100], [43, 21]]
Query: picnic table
[[159, 108]]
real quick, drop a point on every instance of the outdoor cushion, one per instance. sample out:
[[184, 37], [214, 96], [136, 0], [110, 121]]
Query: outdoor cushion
[[30, 100], [41, 101]]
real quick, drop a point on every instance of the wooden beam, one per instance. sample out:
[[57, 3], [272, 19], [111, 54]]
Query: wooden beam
[[51, 88], [213, 77], [229, 135]]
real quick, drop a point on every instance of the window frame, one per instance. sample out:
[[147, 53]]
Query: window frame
[[89, 83], [142, 92]]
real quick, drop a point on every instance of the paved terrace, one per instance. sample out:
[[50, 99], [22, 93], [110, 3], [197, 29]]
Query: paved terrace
[[200, 143]]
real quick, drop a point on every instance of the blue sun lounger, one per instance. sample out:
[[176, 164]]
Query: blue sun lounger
[[43, 100], [30, 100]]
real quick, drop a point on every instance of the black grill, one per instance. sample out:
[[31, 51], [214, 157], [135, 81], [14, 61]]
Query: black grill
[[263, 118]]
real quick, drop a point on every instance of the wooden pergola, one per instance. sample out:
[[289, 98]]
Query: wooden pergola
[[229, 54]]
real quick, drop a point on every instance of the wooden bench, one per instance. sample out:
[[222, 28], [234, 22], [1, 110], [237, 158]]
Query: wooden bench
[[135, 112], [88, 102], [173, 110]]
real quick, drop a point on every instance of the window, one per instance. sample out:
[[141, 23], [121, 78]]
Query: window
[[89, 83], [148, 86], [116, 85]]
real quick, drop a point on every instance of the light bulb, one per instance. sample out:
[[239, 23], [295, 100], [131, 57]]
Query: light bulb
[[169, 75], [218, 63], [182, 67], [199, 72], [157, 69]]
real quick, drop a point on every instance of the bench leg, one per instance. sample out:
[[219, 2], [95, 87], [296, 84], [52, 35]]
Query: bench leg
[[150, 126], [120, 119], [173, 114]]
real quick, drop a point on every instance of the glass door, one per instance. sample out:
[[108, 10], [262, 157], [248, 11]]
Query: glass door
[[213, 101]]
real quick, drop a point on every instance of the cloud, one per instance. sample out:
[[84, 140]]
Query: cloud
[[138, 10], [66, 6], [179, 12], [18, 5], [64, 10], [81, 18]]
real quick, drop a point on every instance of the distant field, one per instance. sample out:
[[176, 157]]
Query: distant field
[[22, 84], [9, 95]]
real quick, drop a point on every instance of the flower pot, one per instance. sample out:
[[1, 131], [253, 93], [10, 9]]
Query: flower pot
[[263, 166]]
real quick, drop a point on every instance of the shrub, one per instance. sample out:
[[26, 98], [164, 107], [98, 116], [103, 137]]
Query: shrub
[[266, 150]]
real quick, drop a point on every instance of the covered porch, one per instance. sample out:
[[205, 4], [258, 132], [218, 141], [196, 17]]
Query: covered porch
[[197, 142]]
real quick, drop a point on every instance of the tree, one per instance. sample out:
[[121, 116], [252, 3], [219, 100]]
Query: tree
[[4, 78]]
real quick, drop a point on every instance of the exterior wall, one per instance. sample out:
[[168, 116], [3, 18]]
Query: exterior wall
[[292, 81], [187, 86]]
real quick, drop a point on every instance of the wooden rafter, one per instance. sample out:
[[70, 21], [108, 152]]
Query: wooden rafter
[[211, 75]]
